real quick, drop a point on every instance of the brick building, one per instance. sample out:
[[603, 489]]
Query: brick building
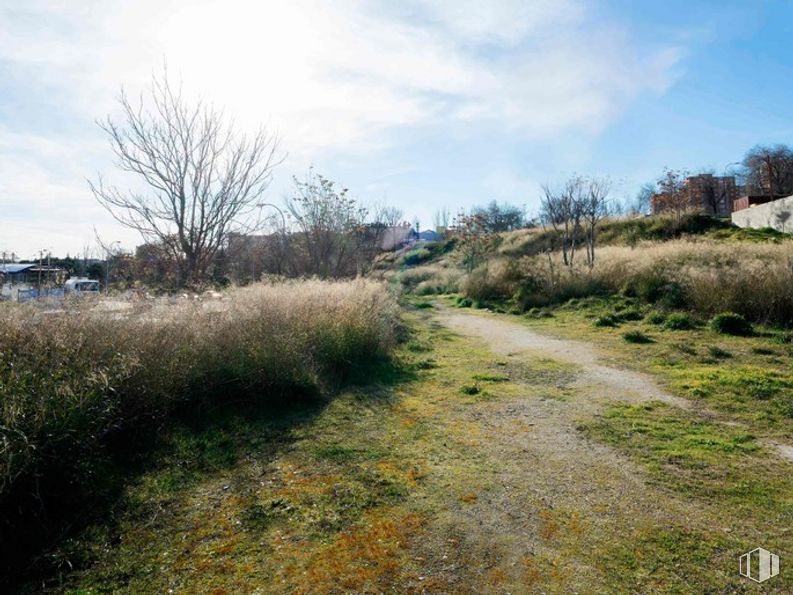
[[709, 194]]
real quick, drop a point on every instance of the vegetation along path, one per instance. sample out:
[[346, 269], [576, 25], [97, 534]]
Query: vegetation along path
[[496, 460]]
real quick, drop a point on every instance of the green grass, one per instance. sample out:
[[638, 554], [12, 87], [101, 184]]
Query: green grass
[[748, 378], [605, 320], [333, 493], [670, 440], [720, 466], [491, 377], [471, 389]]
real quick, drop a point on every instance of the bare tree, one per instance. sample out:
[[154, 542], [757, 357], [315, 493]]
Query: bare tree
[[595, 208], [643, 202], [441, 218], [770, 169], [711, 191], [386, 216], [204, 177], [563, 209]]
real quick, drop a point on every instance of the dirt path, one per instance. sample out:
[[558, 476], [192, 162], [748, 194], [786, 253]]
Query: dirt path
[[595, 378], [510, 339], [553, 493]]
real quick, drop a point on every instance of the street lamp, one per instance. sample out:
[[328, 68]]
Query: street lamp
[[724, 181], [107, 267], [283, 230]]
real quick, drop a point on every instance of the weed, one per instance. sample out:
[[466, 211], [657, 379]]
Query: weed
[[685, 348], [463, 302], [629, 314], [258, 517], [417, 347], [730, 323], [637, 337], [718, 352], [763, 351], [417, 256], [471, 389], [656, 317], [425, 364], [605, 321], [678, 322]]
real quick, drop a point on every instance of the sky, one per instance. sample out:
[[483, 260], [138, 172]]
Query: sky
[[422, 104]]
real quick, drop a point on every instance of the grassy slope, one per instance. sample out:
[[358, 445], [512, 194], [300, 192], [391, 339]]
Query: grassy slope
[[622, 232]]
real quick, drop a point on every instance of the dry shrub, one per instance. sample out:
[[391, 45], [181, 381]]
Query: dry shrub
[[750, 279], [708, 277], [71, 378], [430, 279], [498, 279]]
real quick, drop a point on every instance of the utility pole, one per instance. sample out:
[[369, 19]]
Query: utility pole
[[107, 268]]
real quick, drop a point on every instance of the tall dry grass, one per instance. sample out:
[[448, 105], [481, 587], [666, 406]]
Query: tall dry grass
[[436, 278], [72, 379], [752, 279]]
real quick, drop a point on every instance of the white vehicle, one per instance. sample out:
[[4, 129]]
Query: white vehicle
[[81, 285]]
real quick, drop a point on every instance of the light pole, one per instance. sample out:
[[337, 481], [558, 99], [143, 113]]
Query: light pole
[[283, 230], [107, 267], [729, 204]]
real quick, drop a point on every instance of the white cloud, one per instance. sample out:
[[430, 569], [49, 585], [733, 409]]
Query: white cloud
[[339, 74], [505, 22], [349, 76]]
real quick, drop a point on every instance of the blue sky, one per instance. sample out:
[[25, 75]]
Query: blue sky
[[422, 103]]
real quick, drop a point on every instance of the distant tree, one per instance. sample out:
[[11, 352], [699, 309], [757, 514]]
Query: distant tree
[[329, 227], [674, 195], [154, 265], [500, 217], [563, 209], [69, 264], [440, 218], [475, 239], [205, 179], [387, 216], [769, 169], [713, 191], [595, 207], [95, 270], [574, 211], [644, 199]]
